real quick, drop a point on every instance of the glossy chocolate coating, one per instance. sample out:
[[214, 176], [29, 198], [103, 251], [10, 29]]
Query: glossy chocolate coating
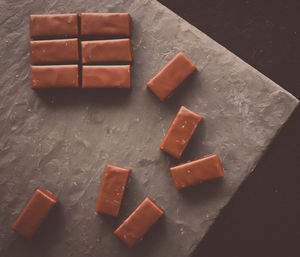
[[112, 189], [34, 213], [171, 76], [106, 76], [106, 51], [52, 76], [196, 172], [139, 222], [59, 51], [180, 132], [53, 25], [107, 24]]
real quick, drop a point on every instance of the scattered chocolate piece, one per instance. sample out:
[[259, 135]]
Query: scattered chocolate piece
[[139, 222], [106, 51], [112, 190], [106, 76], [59, 51], [106, 24], [180, 132], [34, 213], [53, 25], [196, 172], [171, 76], [52, 76]]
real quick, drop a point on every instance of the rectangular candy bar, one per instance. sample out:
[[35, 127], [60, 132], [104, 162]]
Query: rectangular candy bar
[[171, 76], [139, 222], [59, 51], [106, 51], [52, 76], [106, 76], [34, 213], [112, 190], [180, 132], [106, 24], [195, 172], [53, 25]]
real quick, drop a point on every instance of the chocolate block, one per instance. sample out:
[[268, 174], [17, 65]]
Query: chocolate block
[[106, 51], [106, 76], [139, 222], [112, 190], [53, 25], [171, 76], [52, 76], [59, 51], [180, 132], [34, 213], [106, 24], [196, 172]]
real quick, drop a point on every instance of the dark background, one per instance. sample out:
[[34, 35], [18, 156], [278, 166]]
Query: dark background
[[263, 218]]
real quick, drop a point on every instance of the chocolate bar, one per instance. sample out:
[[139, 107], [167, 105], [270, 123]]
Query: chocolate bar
[[34, 213], [52, 76], [171, 76], [112, 190], [59, 51], [180, 132], [106, 51], [139, 222], [53, 25], [195, 172], [106, 76]]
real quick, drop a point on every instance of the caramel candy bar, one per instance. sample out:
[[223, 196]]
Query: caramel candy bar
[[139, 222], [196, 172], [112, 190], [106, 24], [53, 25], [106, 76], [106, 51], [60, 51], [34, 213], [171, 76], [180, 132], [53, 76]]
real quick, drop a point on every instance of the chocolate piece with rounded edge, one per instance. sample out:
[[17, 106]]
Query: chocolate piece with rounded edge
[[180, 132], [195, 172], [106, 51], [52, 76], [59, 51], [139, 222], [106, 76], [53, 25], [112, 189], [34, 213], [106, 24], [171, 76]]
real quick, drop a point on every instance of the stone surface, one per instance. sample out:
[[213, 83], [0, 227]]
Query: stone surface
[[62, 139]]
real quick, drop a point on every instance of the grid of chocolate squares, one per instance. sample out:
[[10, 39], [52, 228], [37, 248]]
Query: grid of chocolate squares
[[162, 85]]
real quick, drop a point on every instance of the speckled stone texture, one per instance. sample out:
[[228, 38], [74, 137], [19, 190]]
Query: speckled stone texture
[[61, 139]]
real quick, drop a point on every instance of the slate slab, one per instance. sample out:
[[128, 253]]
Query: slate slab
[[62, 139]]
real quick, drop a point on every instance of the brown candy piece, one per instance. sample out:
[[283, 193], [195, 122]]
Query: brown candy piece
[[53, 25], [180, 132], [112, 189], [195, 172], [106, 24], [139, 222], [106, 51], [59, 51], [34, 213], [106, 76], [52, 76], [171, 76]]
